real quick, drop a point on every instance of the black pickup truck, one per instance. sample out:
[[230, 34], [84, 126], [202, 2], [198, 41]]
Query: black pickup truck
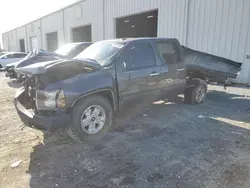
[[83, 93]]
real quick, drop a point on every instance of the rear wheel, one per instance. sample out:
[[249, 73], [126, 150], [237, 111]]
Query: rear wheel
[[197, 93], [91, 119]]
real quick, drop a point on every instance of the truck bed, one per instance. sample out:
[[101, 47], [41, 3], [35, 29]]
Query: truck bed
[[212, 67]]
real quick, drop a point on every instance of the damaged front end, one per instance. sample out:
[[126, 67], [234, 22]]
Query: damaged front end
[[42, 102], [40, 109], [10, 72]]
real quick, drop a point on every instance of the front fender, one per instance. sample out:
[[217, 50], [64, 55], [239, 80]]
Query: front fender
[[80, 86]]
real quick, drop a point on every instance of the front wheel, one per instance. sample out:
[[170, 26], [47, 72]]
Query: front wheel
[[197, 93], [91, 119]]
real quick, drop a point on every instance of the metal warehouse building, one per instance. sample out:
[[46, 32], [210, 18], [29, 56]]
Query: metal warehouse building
[[219, 27]]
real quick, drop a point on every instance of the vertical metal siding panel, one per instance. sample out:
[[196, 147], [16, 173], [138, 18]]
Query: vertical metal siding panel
[[142, 4], [175, 19], [201, 24], [184, 21], [178, 13], [247, 50], [196, 28], [240, 30], [230, 28], [206, 26], [107, 15], [170, 10], [213, 18], [177, 9], [111, 6], [244, 30], [217, 30], [244, 76], [172, 17], [190, 24], [181, 20], [237, 31], [164, 18], [107, 12], [224, 28], [194, 31], [161, 25]]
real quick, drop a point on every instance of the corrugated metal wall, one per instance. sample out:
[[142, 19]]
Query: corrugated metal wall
[[88, 12], [171, 18], [33, 29], [21, 34], [215, 26], [219, 27], [49, 24], [5, 38], [13, 40]]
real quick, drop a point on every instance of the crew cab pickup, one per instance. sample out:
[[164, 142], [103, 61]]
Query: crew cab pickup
[[83, 94]]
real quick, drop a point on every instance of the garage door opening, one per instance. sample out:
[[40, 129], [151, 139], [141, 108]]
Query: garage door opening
[[52, 41], [21, 45], [82, 34], [139, 25]]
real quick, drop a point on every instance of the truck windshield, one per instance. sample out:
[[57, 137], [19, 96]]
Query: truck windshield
[[102, 52]]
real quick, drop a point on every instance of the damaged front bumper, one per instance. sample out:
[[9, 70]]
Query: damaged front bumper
[[10, 72], [37, 121]]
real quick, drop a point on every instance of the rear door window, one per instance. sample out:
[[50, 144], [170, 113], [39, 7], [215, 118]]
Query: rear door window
[[139, 55], [168, 52]]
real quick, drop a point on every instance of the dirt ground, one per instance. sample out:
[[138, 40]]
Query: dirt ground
[[167, 144]]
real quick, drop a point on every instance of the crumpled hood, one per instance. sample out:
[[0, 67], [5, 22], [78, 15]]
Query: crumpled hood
[[59, 66]]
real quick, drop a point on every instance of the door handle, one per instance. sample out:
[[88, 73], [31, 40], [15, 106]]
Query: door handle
[[154, 74], [181, 69]]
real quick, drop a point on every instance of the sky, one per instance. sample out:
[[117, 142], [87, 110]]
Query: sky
[[15, 13]]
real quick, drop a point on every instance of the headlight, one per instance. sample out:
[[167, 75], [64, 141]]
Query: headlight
[[60, 99], [49, 100]]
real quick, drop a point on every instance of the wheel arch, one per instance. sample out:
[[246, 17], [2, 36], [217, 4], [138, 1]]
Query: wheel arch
[[192, 82], [106, 93]]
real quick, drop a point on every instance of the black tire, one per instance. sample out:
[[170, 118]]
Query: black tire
[[75, 130], [196, 86]]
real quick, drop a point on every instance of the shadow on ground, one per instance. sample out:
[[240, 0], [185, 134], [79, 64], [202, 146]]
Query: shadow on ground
[[167, 144]]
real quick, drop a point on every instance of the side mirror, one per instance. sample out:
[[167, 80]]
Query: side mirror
[[4, 57]]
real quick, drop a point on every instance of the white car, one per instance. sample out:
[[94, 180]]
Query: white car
[[11, 57]]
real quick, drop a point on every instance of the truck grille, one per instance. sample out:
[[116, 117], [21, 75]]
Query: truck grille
[[29, 85]]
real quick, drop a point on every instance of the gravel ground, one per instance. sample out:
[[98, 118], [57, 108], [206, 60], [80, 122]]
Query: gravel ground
[[167, 144]]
